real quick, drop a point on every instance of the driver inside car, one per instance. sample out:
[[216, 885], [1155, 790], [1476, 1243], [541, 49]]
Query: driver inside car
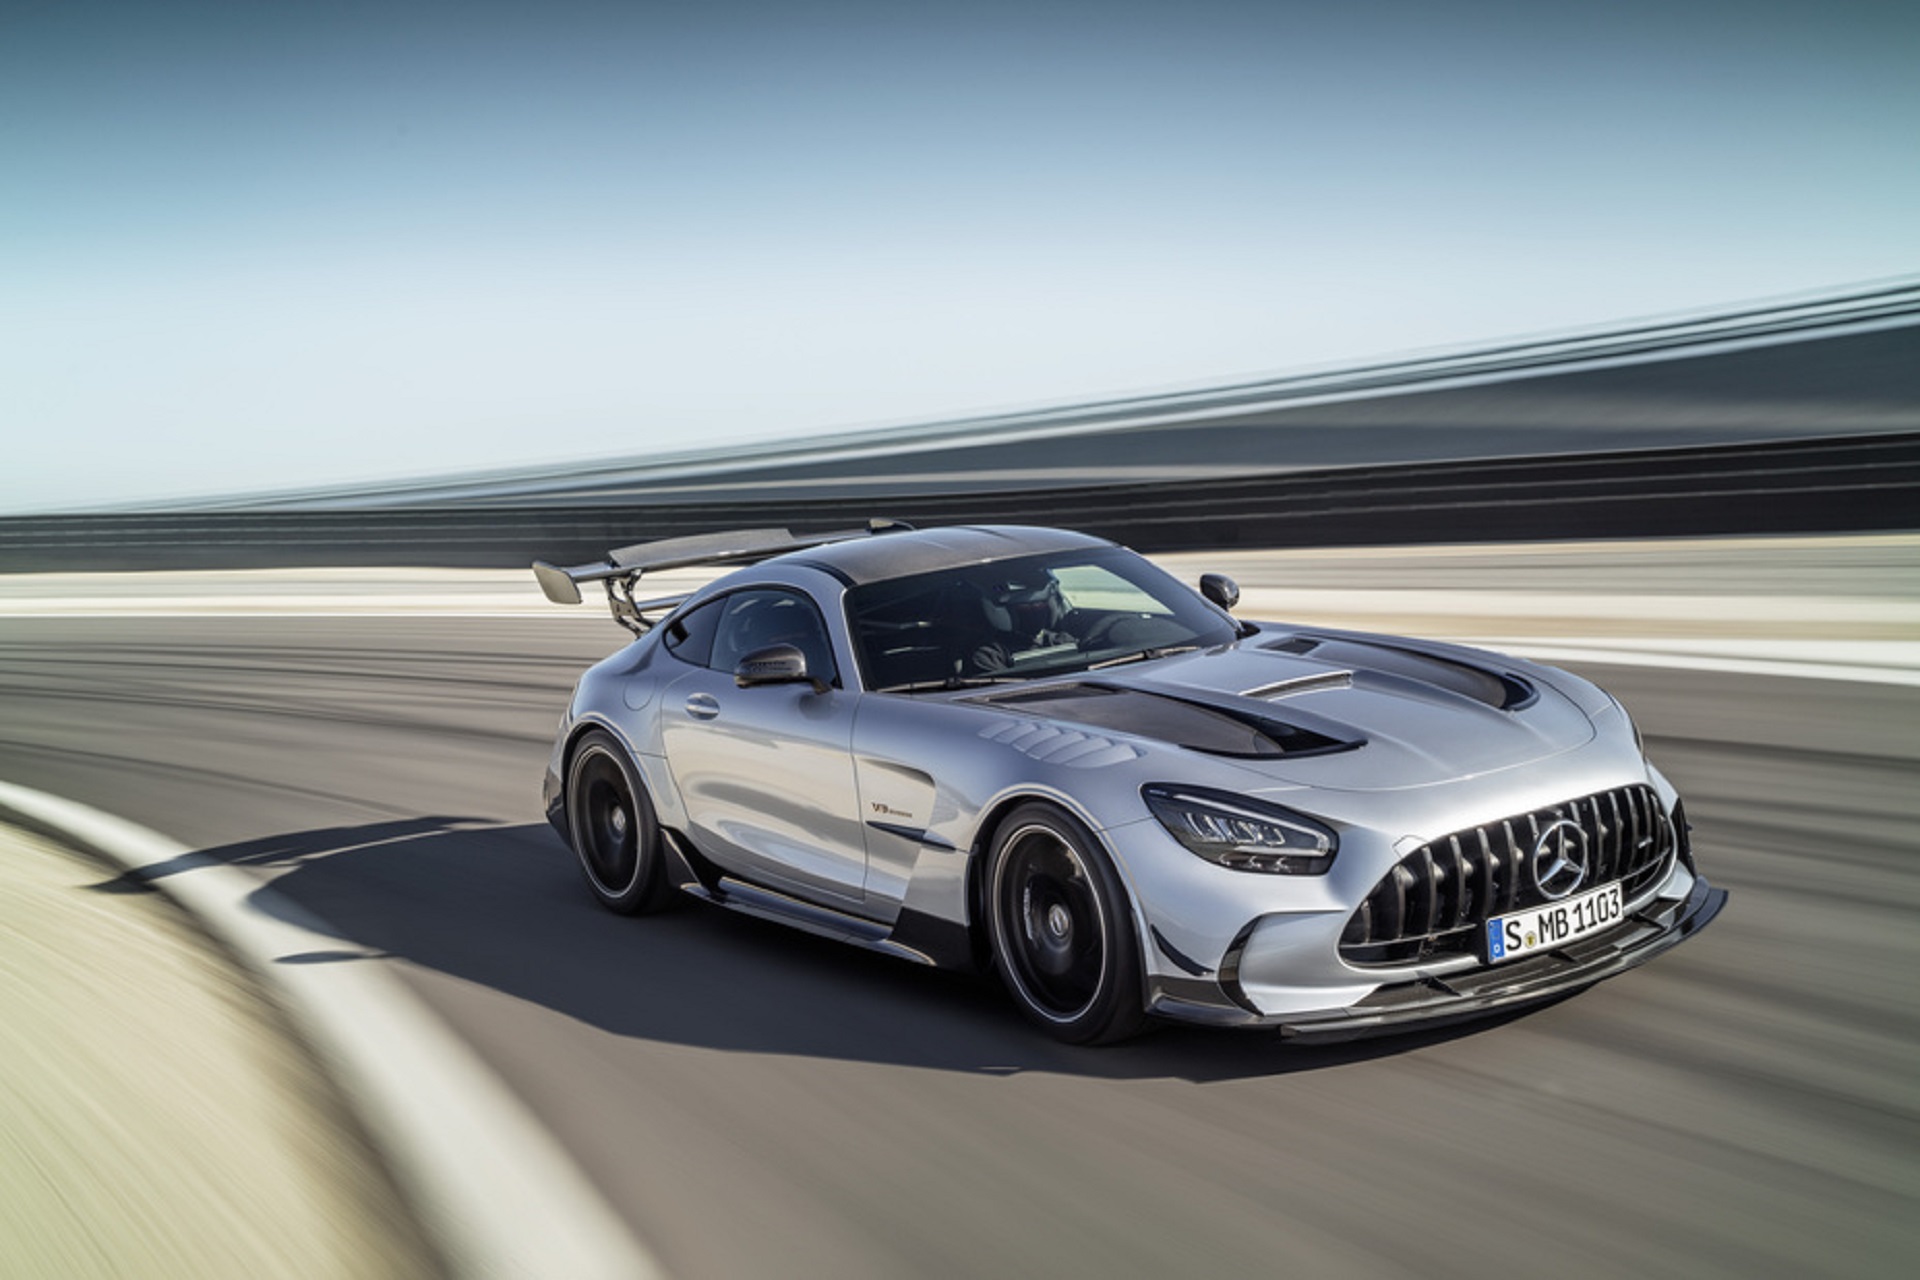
[[1021, 617]]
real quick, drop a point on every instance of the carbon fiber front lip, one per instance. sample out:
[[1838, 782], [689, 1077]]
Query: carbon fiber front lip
[[1434, 1001]]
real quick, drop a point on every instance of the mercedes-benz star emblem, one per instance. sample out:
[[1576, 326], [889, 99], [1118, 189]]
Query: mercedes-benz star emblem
[[1560, 859]]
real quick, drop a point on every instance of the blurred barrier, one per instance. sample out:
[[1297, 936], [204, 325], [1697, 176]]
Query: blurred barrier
[[1856, 484], [1829, 368]]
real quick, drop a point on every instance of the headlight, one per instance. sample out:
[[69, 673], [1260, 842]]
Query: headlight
[[1241, 833]]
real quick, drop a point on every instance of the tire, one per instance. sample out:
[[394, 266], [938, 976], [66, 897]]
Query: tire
[[611, 825], [1061, 928]]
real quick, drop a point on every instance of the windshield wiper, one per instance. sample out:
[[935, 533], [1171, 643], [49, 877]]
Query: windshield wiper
[[1143, 655], [949, 682]]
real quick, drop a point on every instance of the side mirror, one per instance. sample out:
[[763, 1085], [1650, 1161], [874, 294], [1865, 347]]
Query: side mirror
[[775, 664], [1220, 589]]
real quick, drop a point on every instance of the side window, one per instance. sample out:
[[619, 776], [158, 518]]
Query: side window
[[689, 637], [752, 620]]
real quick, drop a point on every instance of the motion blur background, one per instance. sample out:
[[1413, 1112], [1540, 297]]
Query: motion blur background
[[249, 247], [1588, 333]]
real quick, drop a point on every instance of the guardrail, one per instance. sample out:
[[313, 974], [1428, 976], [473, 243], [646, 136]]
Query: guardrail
[[1868, 483]]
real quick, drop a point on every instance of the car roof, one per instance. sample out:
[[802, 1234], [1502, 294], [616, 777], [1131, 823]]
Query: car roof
[[899, 555]]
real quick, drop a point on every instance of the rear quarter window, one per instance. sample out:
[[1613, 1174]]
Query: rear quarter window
[[689, 636]]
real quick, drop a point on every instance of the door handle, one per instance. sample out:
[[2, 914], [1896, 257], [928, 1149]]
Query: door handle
[[703, 706]]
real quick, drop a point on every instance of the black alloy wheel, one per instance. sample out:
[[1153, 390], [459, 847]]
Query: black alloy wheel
[[1062, 934], [613, 828]]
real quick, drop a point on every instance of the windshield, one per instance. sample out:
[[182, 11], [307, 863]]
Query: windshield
[[1017, 619]]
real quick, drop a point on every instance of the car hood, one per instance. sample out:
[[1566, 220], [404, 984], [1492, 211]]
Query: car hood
[[1340, 711]]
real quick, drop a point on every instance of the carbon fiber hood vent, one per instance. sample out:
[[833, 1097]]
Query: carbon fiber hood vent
[[1424, 716], [1215, 730], [1499, 689]]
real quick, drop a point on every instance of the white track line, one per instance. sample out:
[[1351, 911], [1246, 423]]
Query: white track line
[[493, 1189]]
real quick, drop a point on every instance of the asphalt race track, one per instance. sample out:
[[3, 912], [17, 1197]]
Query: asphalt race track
[[758, 1102]]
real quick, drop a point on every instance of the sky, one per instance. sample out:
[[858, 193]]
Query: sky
[[251, 246]]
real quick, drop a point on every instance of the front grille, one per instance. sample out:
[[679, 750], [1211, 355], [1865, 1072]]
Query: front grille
[[1436, 901]]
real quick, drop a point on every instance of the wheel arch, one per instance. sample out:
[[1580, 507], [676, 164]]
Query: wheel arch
[[989, 828], [661, 792]]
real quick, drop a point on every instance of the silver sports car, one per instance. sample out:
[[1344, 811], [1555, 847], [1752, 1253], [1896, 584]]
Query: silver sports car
[[1033, 751]]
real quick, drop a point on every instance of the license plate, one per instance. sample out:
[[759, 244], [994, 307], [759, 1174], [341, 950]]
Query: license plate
[[1543, 928]]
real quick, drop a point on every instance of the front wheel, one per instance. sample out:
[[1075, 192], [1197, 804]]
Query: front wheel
[[1061, 929], [612, 827]]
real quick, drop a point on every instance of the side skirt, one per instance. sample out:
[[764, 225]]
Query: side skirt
[[914, 936]]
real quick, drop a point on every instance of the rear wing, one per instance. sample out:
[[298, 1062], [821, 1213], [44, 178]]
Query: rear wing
[[624, 567]]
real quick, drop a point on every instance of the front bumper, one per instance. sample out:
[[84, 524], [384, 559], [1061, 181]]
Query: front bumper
[[1429, 1001]]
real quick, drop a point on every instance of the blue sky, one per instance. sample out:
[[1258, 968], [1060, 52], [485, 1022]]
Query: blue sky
[[258, 245]]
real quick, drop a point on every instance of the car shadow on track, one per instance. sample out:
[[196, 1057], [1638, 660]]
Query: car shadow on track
[[505, 907]]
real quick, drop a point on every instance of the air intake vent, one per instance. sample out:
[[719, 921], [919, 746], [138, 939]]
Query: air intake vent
[[1436, 901]]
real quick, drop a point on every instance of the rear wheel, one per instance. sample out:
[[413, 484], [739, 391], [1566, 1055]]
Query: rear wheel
[[1061, 928], [613, 829]]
